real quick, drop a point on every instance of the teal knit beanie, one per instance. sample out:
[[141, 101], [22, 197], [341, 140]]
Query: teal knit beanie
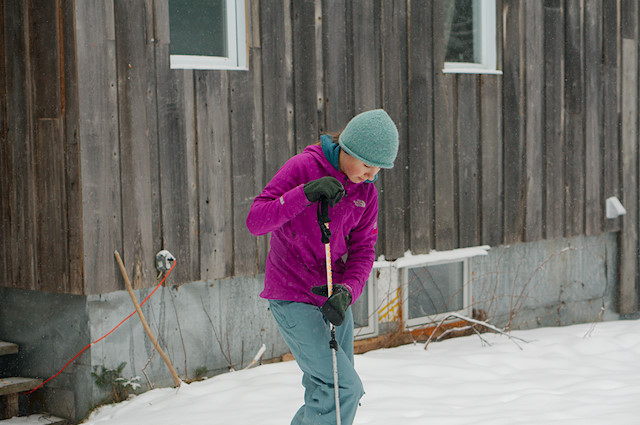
[[371, 137]]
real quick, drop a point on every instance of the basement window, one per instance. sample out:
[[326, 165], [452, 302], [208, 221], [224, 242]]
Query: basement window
[[470, 36], [207, 34], [430, 291], [365, 317]]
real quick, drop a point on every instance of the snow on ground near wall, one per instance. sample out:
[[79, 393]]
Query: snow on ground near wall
[[583, 374]]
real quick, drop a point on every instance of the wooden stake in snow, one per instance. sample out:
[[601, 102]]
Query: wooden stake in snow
[[256, 359], [176, 379]]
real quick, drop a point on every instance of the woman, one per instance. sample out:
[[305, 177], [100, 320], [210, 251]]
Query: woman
[[295, 271]]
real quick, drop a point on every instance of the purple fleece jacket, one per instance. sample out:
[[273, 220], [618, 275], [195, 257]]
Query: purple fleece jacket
[[296, 260]]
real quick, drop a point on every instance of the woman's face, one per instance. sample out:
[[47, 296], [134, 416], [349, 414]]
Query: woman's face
[[356, 170]]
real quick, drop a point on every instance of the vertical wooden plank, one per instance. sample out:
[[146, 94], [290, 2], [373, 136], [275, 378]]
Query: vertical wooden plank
[[446, 235], [611, 105], [19, 186], [190, 169], [51, 213], [157, 15], [468, 156], [628, 17], [420, 127], [258, 142], [10, 407], [594, 112], [176, 142], [277, 72], [214, 166], [45, 59], [175, 93], [246, 129], [138, 138], [71, 142], [574, 119], [4, 163], [320, 74], [554, 214], [366, 56], [628, 296], [305, 73], [367, 86], [395, 191], [44, 55], [337, 62], [277, 94], [491, 147], [534, 130], [258, 83], [253, 20], [99, 150], [513, 100], [254, 59]]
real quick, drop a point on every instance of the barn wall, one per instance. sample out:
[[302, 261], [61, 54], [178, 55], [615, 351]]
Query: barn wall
[[145, 158], [104, 148]]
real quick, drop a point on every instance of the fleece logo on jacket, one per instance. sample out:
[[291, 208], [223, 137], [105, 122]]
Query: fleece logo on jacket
[[360, 203]]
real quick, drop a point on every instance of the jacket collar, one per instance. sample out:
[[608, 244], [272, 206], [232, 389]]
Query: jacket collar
[[331, 151]]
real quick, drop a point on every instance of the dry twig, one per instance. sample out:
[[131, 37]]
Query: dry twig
[[475, 322]]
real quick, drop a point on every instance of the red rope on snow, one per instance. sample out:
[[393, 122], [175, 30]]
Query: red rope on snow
[[105, 335]]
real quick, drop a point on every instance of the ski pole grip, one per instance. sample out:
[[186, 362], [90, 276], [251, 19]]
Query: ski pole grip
[[324, 210], [323, 219]]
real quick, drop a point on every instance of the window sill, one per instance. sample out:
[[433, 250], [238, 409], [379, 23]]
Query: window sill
[[211, 63], [453, 70]]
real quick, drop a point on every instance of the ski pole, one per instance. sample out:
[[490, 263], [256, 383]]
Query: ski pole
[[323, 221]]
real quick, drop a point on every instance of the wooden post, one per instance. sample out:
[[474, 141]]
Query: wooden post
[[176, 379], [10, 408]]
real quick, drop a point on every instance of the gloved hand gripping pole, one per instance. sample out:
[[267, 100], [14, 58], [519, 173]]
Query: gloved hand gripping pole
[[323, 221]]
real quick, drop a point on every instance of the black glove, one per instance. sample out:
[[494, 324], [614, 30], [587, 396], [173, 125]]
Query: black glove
[[325, 187], [337, 304]]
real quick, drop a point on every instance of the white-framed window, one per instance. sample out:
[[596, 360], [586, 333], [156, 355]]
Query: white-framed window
[[365, 315], [470, 37], [432, 290], [207, 34]]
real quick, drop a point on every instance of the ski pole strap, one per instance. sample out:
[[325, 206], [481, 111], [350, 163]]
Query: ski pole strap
[[333, 344], [323, 219]]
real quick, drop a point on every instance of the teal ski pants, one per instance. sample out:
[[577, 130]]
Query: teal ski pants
[[306, 331]]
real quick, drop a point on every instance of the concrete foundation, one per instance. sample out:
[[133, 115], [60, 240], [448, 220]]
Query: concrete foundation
[[548, 283]]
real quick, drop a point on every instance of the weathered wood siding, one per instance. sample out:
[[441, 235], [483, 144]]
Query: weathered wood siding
[[39, 174], [105, 147], [629, 156]]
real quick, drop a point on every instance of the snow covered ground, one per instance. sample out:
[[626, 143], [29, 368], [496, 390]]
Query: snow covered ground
[[583, 374]]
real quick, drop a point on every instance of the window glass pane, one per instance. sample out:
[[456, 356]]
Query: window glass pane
[[462, 31], [435, 289], [198, 27], [360, 309]]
